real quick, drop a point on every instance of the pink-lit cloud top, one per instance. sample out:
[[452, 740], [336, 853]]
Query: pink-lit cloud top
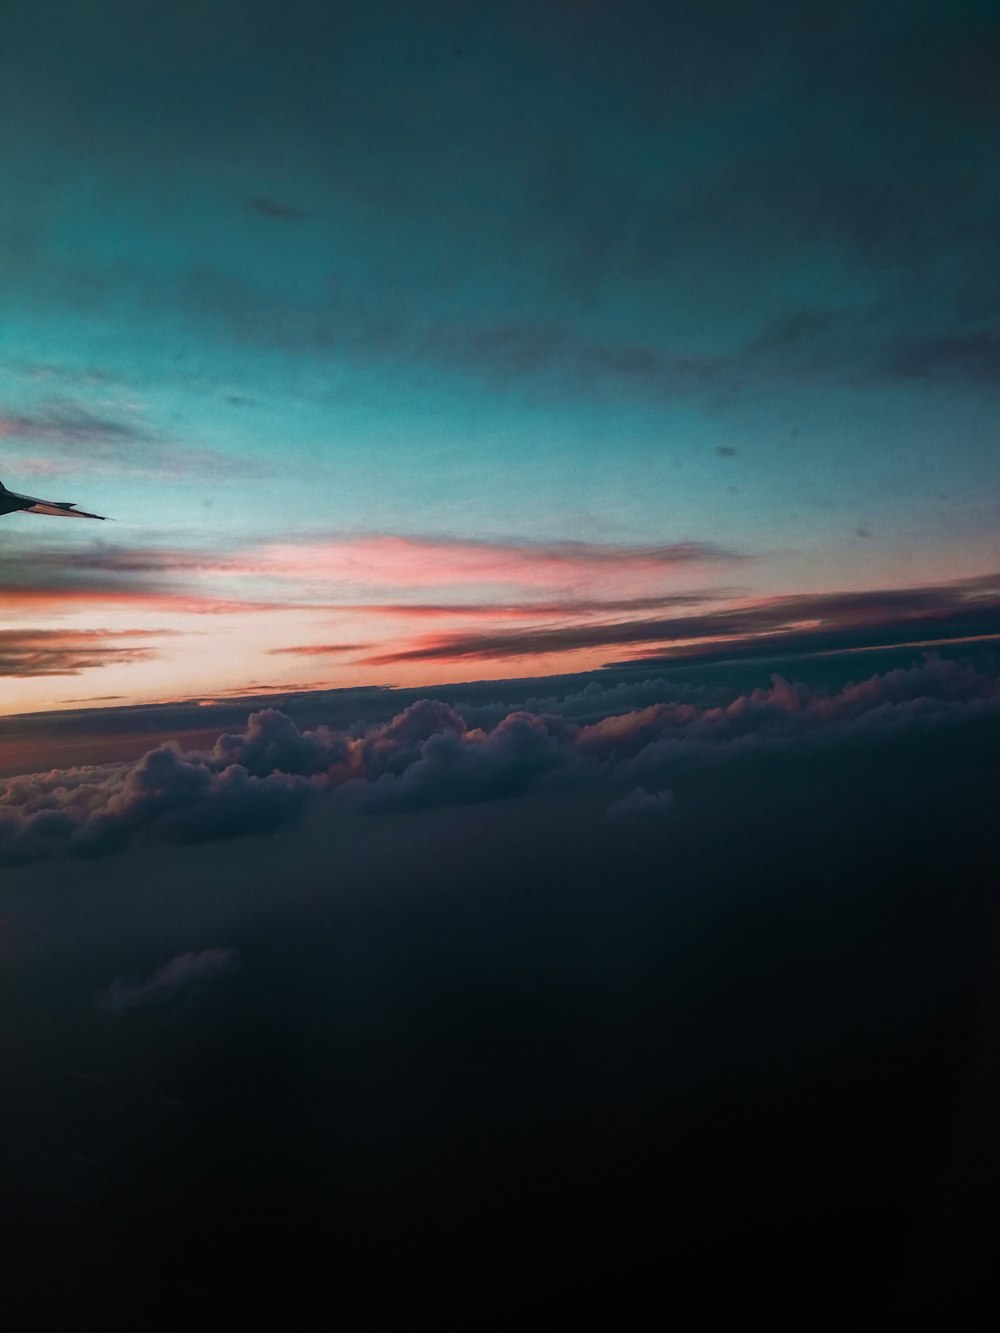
[[626, 741]]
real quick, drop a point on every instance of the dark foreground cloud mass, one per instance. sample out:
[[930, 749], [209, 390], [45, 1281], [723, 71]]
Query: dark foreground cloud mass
[[627, 739], [707, 1000]]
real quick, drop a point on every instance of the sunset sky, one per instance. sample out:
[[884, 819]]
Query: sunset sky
[[412, 344], [503, 815]]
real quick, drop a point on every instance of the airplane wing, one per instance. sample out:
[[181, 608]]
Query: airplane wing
[[11, 502]]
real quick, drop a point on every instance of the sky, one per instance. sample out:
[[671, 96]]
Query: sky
[[506, 804], [415, 344]]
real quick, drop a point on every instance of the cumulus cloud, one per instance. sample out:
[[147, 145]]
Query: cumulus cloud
[[176, 980], [272, 744], [451, 764], [167, 795], [628, 738], [595, 700]]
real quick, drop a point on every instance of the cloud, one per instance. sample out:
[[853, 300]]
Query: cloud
[[69, 425], [270, 208], [41, 576], [970, 357], [528, 610], [640, 804], [108, 445], [441, 562], [319, 649], [31, 652], [272, 743], [803, 622], [520, 350], [520, 578], [429, 754], [175, 980], [167, 795], [595, 700]]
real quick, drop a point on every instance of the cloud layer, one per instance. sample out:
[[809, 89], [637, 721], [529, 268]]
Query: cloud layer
[[627, 740]]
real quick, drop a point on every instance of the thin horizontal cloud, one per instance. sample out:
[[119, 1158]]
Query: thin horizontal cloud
[[341, 562], [271, 208], [528, 349], [319, 649], [938, 610], [53, 601], [108, 445], [546, 610], [69, 424], [428, 562], [49, 579], [46, 652], [970, 357]]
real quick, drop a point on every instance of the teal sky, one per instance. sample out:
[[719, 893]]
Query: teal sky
[[633, 275]]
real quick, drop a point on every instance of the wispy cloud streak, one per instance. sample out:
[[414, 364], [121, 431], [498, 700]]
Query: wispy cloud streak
[[31, 652], [942, 610]]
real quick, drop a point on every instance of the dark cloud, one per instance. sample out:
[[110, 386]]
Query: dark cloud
[[174, 981], [35, 566], [519, 350], [37, 574], [938, 611], [39, 652], [428, 754], [790, 331], [970, 357], [70, 425], [270, 208], [104, 442], [428, 757], [864, 345], [272, 743], [640, 804], [168, 795], [595, 700], [532, 610]]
